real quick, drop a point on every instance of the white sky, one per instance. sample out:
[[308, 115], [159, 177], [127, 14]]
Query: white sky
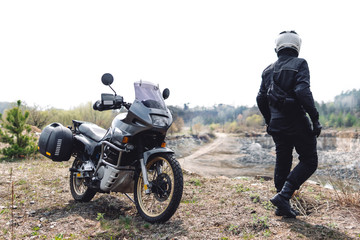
[[53, 53]]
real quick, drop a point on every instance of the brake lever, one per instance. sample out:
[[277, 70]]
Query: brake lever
[[127, 105]]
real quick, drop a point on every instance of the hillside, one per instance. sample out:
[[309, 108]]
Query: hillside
[[211, 208]]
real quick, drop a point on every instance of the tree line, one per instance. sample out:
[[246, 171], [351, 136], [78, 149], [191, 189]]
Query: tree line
[[343, 112]]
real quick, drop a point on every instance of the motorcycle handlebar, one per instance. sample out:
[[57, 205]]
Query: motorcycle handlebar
[[97, 105], [118, 103]]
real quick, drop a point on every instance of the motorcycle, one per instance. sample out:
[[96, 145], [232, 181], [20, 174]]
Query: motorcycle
[[129, 157]]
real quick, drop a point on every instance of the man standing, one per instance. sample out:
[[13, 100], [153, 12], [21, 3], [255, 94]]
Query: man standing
[[284, 99]]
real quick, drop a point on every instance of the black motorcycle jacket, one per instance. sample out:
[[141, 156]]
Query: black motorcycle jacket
[[292, 75]]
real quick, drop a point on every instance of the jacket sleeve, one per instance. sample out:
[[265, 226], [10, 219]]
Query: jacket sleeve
[[303, 93], [262, 101]]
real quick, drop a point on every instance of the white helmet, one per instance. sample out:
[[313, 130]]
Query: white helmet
[[288, 39]]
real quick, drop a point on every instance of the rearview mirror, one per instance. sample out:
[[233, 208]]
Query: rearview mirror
[[107, 79], [166, 93]]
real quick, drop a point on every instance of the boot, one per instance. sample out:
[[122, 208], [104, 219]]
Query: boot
[[279, 213], [281, 200]]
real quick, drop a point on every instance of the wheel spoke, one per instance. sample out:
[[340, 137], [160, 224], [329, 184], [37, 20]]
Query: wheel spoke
[[78, 183], [161, 177]]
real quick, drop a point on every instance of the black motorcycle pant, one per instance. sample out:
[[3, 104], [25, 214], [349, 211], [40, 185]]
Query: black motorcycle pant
[[305, 146]]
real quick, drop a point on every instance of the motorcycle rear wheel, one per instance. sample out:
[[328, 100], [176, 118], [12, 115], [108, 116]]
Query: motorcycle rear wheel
[[79, 190], [165, 176]]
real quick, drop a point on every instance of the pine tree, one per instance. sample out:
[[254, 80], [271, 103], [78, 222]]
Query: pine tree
[[16, 133]]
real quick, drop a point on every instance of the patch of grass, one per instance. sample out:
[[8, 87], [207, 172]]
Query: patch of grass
[[103, 223], [4, 211], [267, 233], [100, 216], [248, 235], [260, 223], [234, 229], [20, 182], [115, 229], [193, 200], [255, 198], [239, 188], [299, 235], [345, 193], [318, 197], [125, 222], [196, 182], [268, 205], [5, 231], [307, 203], [59, 236], [332, 225], [36, 228]]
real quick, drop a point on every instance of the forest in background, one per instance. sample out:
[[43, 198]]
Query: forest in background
[[343, 112]]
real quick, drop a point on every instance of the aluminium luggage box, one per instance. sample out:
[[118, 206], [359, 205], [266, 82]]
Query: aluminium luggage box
[[56, 142]]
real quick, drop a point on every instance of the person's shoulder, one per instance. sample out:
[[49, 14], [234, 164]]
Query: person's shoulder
[[299, 61], [268, 67], [267, 70]]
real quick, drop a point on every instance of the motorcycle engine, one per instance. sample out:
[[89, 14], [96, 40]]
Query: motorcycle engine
[[111, 156]]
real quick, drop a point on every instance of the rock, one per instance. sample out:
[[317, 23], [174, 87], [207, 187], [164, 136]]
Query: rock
[[265, 178], [204, 137], [255, 147], [222, 177], [31, 213]]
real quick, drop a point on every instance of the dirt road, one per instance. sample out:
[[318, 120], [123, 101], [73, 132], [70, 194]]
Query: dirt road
[[225, 157]]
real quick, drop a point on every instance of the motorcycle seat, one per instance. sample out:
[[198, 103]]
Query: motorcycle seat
[[92, 131]]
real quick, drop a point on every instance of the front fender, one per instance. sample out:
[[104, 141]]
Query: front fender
[[147, 154]]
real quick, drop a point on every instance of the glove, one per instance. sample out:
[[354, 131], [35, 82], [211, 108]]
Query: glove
[[316, 128]]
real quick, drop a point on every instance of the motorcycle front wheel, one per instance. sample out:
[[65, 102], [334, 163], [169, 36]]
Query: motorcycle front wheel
[[79, 190], [166, 185]]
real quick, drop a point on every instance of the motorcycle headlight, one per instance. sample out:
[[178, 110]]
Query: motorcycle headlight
[[159, 121]]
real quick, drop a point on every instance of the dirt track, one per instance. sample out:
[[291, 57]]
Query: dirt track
[[221, 158]]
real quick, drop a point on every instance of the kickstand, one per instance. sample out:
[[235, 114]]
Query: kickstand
[[129, 197]]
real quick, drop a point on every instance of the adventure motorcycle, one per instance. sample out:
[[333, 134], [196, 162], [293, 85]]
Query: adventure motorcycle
[[129, 157]]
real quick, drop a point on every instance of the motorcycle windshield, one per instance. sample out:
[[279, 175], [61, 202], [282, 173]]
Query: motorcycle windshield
[[149, 94]]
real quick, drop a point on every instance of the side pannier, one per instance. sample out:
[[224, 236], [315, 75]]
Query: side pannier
[[56, 142]]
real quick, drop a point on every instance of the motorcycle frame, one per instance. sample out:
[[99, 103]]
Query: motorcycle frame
[[143, 161]]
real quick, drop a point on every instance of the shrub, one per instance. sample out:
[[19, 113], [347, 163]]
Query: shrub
[[254, 120], [16, 133]]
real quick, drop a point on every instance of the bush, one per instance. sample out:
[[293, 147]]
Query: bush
[[16, 133], [254, 120], [177, 125]]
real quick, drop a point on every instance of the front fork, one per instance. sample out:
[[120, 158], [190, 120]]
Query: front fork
[[147, 186], [144, 160]]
